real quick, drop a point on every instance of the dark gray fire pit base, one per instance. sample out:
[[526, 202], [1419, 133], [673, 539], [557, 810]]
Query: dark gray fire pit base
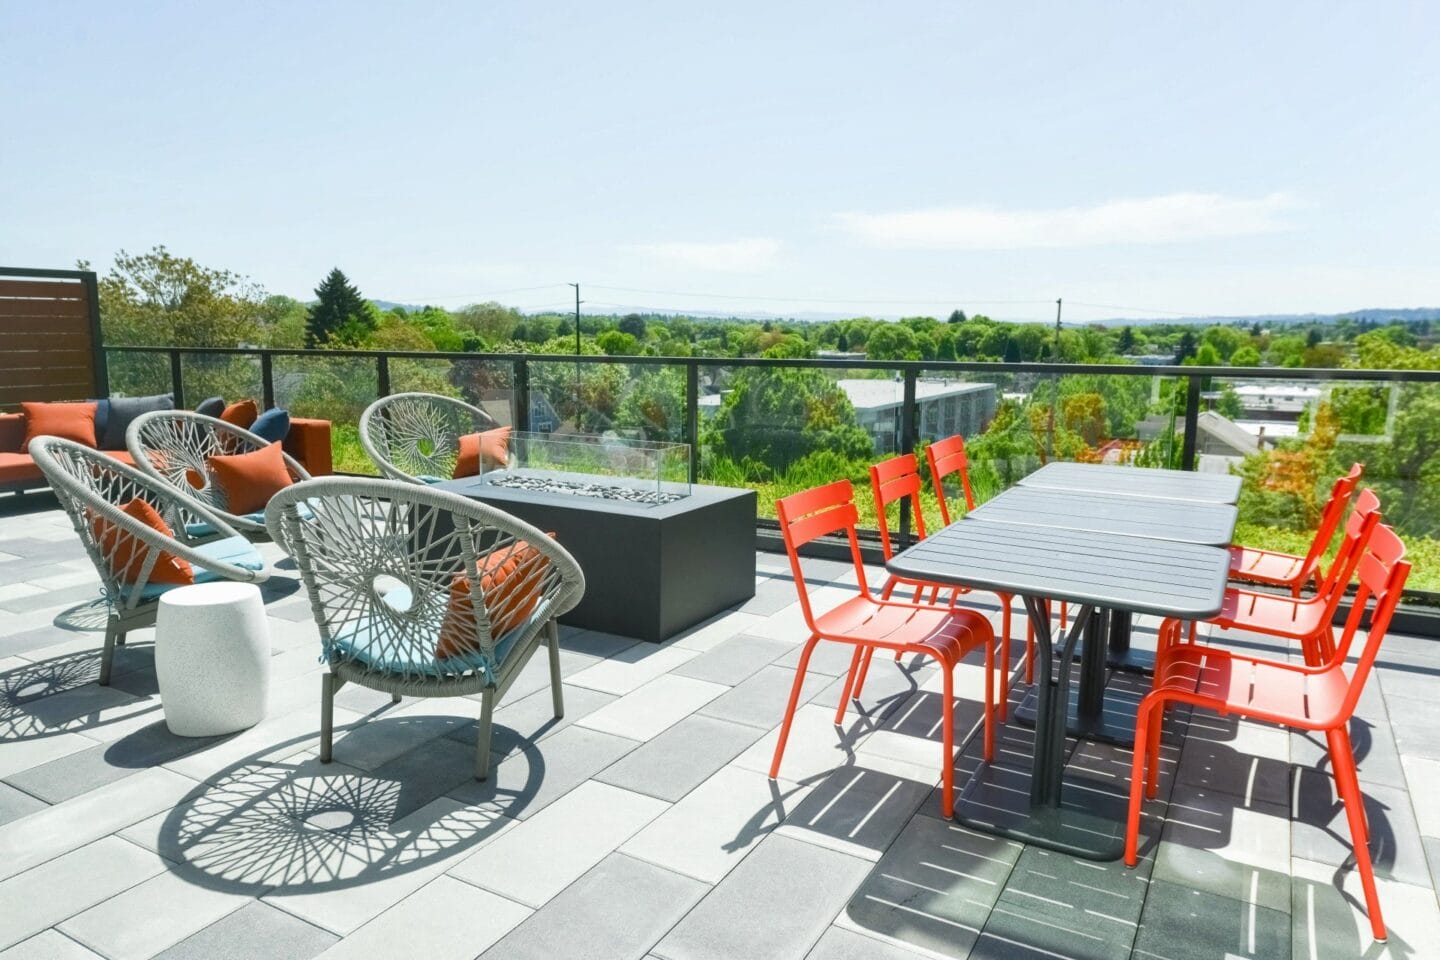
[[650, 572]]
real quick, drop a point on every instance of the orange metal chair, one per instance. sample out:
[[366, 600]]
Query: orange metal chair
[[1320, 698], [1308, 620], [898, 479], [946, 633], [946, 458], [1288, 570]]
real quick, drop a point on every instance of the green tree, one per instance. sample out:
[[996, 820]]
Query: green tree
[[956, 316], [618, 344], [1186, 348], [1125, 342], [156, 298], [340, 316], [774, 417], [633, 324], [1246, 356]]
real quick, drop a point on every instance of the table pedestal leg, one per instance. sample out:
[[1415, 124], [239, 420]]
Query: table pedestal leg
[[1070, 826], [1122, 655], [1093, 716]]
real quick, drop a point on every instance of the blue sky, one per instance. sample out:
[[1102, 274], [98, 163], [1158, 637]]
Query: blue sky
[[841, 157]]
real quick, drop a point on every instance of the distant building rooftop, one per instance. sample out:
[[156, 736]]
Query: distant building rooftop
[[877, 394]]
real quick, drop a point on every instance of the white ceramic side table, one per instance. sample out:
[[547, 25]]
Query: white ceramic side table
[[212, 658]]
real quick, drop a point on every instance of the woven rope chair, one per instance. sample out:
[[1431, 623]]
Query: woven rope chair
[[382, 562], [171, 445], [416, 436], [93, 488]]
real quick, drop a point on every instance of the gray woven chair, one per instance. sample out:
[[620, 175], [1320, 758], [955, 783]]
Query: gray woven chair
[[171, 446], [93, 488], [380, 560], [416, 436]]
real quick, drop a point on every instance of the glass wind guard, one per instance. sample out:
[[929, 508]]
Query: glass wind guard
[[640, 472]]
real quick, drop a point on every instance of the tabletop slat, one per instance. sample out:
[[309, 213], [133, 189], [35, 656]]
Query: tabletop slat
[[1160, 577], [1153, 518], [1137, 481]]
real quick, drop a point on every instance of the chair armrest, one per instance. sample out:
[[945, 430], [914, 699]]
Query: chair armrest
[[309, 442], [12, 432]]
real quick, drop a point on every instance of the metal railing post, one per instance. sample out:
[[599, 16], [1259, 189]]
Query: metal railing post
[[907, 442], [177, 380], [520, 395], [382, 376], [267, 379], [692, 417], [1192, 422]]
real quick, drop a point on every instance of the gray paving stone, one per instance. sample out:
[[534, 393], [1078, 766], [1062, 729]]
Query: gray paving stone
[[52, 598], [1320, 831], [534, 861], [81, 772], [57, 889], [531, 719], [589, 919], [681, 758], [429, 771], [1376, 757], [1416, 724], [934, 888], [760, 701], [446, 919], [856, 810], [1217, 843], [383, 738], [48, 945], [529, 780], [841, 944], [151, 916], [831, 659], [595, 643], [734, 660], [15, 804], [1183, 924], [796, 886], [256, 932]]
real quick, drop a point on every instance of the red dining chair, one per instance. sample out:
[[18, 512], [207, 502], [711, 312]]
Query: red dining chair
[[947, 458], [1320, 698], [1307, 620], [946, 633], [895, 480], [1254, 565]]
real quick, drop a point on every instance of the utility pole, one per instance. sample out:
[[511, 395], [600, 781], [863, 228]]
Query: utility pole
[[1054, 389]]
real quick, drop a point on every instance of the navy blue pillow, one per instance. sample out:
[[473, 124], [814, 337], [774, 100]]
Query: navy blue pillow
[[102, 417], [125, 409], [212, 407], [272, 425]]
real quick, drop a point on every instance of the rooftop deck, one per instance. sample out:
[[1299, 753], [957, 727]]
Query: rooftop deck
[[643, 824]]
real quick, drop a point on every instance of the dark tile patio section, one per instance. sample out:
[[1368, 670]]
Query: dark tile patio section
[[267, 853]]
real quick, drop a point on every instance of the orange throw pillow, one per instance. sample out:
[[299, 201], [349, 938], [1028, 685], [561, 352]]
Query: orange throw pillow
[[241, 413], [510, 585], [126, 553], [249, 480], [491, 448], [70, 421]]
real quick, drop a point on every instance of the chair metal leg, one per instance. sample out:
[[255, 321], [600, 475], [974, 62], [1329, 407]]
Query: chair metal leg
[[1005, 657], [113, 635], [849, 684], [989, 702], [557, 693], [947, 737], [328, 686], [394, 698], [1347, 784], [1137, 781], [800, 669], [482, 743], [864, 672]]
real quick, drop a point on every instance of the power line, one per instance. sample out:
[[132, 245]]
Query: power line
[[845, 300], [480, 296], [1112, 306]]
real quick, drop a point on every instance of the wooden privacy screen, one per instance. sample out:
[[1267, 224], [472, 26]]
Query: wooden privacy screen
[[49, 337]]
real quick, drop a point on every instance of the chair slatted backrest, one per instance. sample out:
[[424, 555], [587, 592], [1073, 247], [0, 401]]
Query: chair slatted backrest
[[1340, 494], [1359, 527], [1382, 572], [892, 481], [814, 513], [947, 457]]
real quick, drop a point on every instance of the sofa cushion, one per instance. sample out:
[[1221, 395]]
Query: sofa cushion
[[12, 432], [211, 407], [123, 410], [17, 468], [272, 425], [241, 413], [69, 421], [250, 479]]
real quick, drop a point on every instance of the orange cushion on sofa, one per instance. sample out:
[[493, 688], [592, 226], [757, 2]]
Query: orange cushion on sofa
[[12, 432], [241, 413], [510, 583], [126, 553], [491, 448], [70, 421], [249, 480]]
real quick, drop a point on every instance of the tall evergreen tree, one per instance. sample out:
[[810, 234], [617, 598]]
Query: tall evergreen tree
[[340, 315]]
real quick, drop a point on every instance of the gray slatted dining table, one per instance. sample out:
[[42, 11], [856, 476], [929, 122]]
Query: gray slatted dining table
[[1152, 482], [1098, 570]]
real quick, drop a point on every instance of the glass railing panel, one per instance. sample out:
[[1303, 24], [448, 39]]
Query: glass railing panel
[[137, 374], [337, 389], [229, 376], [488, 384], [633, 401], [785, 429]]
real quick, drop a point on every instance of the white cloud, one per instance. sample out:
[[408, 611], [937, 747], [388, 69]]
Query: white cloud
[[732, 256], [1172, 218]]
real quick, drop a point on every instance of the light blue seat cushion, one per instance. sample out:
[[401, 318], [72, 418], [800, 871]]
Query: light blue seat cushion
[[358, 642], [426, 478], [236, 551], [203, 529]]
